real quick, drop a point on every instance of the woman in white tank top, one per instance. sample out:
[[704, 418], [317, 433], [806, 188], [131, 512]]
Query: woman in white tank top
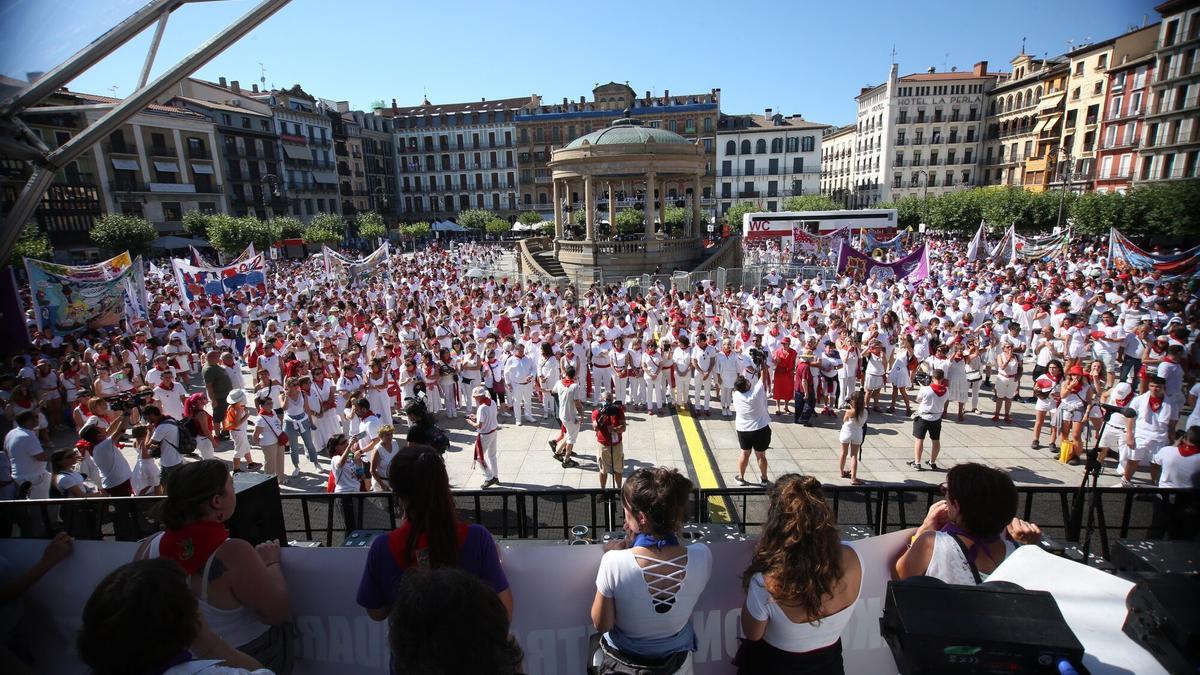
[[968, 534], [800, 590], [242, 593]]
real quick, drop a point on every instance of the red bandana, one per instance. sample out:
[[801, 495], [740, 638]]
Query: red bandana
[[193, 544], [1156, 404], [939, 388], [1187, 450]]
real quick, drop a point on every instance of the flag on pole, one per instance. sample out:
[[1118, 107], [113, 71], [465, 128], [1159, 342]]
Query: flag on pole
[[977, 242]]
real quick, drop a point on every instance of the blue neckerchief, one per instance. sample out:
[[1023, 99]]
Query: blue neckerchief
[[650, 541]]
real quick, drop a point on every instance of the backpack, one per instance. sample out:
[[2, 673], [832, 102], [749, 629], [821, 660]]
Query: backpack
[[187, 437], [438, 439]]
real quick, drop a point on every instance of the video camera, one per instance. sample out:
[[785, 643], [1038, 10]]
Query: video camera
[[130, 400]]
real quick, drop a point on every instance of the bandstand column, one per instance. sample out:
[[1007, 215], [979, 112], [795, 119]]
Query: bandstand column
[[662, 206], [558, 223], [612, 209], [589, 212], [694, 229], [649, 210]]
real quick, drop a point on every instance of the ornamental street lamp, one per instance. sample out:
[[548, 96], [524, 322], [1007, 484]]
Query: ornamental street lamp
[[270, 184], [1064, 164], [924, 195]]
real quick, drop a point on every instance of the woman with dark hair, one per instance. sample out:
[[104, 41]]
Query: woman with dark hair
[[429, 536], [242, 593], [801, 585], [448, 621], [650, 563], [963, 540], [143, 618]]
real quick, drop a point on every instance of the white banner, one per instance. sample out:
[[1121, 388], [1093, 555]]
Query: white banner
[[553, 586]]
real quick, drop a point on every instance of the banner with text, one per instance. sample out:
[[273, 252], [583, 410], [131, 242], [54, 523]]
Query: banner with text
[[68, 298], [1041, 249], [553, 586], [878, 248], [355, 269], [197, 282], [1124, 255], [858, 265]]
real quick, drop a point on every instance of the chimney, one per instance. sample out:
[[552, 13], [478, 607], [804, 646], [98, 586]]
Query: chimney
[[981, 68], [954, 69], [666, 95], [394, 106], [254, 88], [222, 82], [767, 113], [582, 100], [647, 95], [234, 86], [931, 70], [564, 102], [483, 100]]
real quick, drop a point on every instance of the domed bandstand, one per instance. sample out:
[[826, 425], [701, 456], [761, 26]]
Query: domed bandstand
[[641, 167]]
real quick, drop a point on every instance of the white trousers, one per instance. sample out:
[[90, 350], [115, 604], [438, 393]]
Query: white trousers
[[654, 392], [703, 388], [602, 380]]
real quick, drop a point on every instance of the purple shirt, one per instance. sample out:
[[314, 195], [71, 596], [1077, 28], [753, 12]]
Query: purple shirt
[[382, 575]]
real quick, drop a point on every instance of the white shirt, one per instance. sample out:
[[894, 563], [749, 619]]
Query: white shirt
[[519, 370], [23, 447], [929, 404], [621, 578], [170, 400], [166, 434], [750, 408], [485, 415], [567, 395], [783, 633], [1177, 471], [1152, 426], [114, 468]]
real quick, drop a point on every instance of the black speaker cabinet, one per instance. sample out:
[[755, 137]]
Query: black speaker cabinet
[[259, 513], [1164, 613], [1153, 555]]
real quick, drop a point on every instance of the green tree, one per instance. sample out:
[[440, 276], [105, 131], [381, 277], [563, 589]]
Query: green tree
[[579, 217], [733, 217], [475, 219], [1004, 206], [416, 230], [370, 225], [195, 223], [316, 235], [529, 218], [676, 218], [810, 203], [909, 211], [497, 226], [289, 227], [548, 230], [32, 243], [1165, 208], [1096, 212], [118, 232], [954, 211], [231, 235], [330, 221], [629, 221]]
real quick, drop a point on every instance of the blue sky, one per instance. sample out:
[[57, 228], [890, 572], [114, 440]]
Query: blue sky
[[795, 57]]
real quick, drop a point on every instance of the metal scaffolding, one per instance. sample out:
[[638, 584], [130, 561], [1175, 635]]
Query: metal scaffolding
[[20, 142]]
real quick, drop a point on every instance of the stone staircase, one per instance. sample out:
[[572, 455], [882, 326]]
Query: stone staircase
[[548, 262]]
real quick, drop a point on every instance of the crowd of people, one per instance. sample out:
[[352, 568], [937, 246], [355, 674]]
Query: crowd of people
[[320, 356]]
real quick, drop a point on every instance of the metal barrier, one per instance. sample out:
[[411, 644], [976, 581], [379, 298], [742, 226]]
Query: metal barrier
[[550, 514]]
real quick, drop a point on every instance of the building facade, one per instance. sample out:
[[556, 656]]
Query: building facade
[[1087, 93], [767, 158], [309, 179], [937, 135], [457, 156], [1172, 122], [379, 162], [73, 201], [348, 153], [837, 164], [542, 128], [1122, 127], [1012, 110], [159, 165]]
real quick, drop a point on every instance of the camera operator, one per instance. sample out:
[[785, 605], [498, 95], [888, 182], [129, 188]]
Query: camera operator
[[115, 474], [162, 442], [609, 422], [751, 418]]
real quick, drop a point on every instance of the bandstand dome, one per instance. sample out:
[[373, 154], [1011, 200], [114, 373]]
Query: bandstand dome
[[626, 131]]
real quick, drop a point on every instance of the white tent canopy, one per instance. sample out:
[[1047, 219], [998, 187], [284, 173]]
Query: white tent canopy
[[448, 226]]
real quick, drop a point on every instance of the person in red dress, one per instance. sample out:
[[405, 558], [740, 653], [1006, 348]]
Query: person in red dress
[[785, 370]]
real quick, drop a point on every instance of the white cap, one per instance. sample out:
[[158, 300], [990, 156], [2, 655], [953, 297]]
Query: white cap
[[1121, 391]]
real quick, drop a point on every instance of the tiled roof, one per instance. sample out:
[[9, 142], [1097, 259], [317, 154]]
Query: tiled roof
[[471, 106], [219, 106], [957, 75], [763, 123], [153, 107]]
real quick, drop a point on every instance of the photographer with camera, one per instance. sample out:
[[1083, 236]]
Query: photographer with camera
[[610, 425], [162, 442], [751, 418]]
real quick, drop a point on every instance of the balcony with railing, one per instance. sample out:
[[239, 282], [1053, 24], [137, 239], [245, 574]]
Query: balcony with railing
[[748, 194], [162, 151]]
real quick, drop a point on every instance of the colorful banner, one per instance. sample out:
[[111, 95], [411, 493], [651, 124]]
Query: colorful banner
[[70, 298], [1124, 255], [859, 266], [804, 241], [355, 269], [879, 248], [196, 259], [195, 282], [1041, 249]]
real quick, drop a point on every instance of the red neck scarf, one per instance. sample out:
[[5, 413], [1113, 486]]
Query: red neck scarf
[[163, 385], [1156, 404], [193, 544], [266, 412], [939, 388], [1187, 449], [363, 416], [84, 447], [566, 381]]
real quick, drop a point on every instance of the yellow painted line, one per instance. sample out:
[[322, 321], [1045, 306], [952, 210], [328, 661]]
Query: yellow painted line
[[718, 506]]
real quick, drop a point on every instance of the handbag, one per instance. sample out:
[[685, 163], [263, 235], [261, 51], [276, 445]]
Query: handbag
[[974, 376], [1066, 451]]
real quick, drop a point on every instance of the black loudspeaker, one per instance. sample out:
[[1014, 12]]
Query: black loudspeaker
[[1151, 555], [935, 627], [259, 513], [1164, 617]]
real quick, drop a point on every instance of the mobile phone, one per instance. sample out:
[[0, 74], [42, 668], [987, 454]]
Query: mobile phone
[[360, 435], [119, 376]]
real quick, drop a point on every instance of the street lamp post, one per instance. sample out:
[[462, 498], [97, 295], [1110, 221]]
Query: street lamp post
[[270, 184], [381, 196], [924, 195], [1064, 156]]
